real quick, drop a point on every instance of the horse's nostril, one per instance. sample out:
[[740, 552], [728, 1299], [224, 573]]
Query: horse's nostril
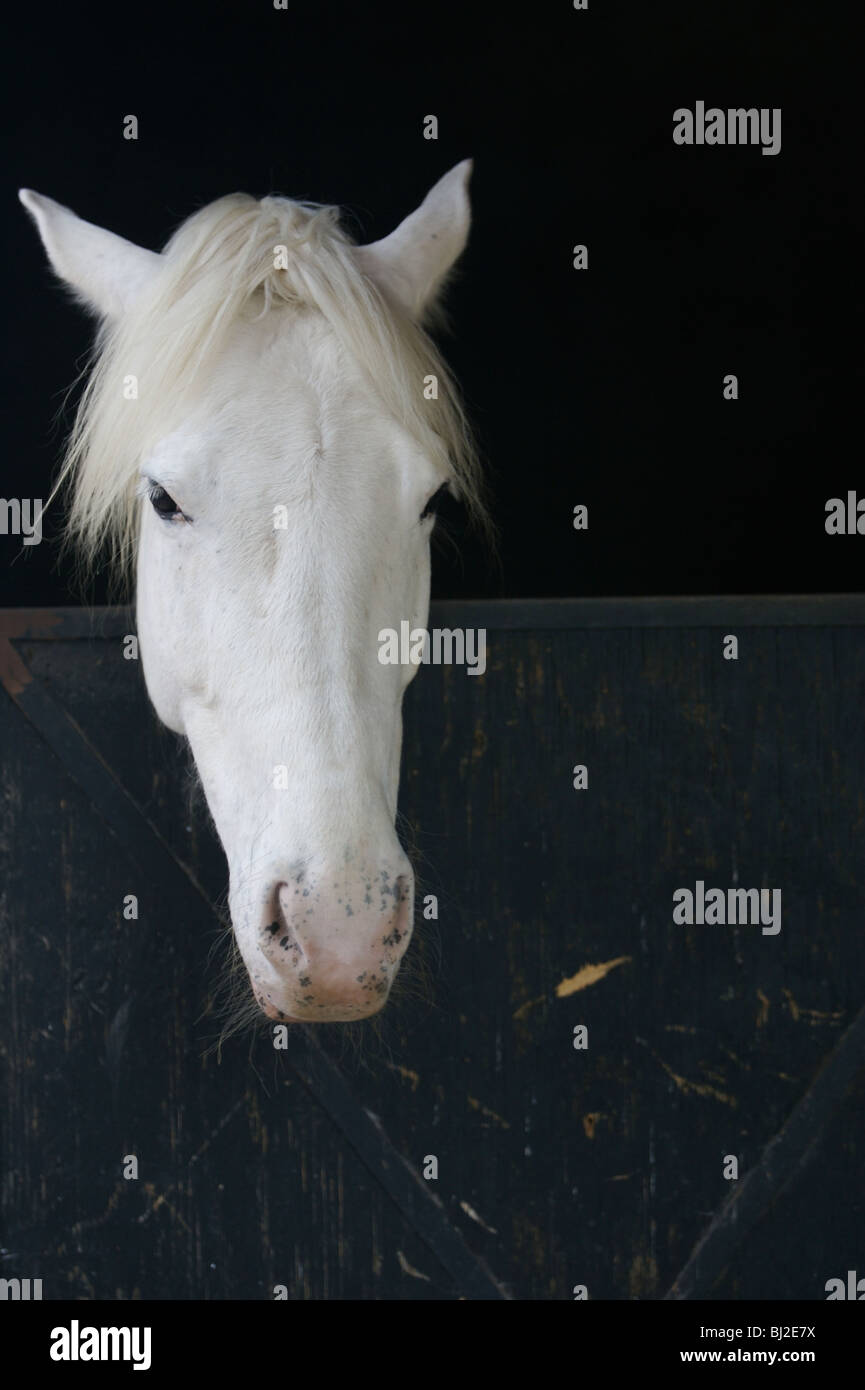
[[330, 946], [279, 935], [399, 925]]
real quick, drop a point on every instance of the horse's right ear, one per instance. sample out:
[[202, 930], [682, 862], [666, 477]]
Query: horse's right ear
[[415, 260], [105, 272]]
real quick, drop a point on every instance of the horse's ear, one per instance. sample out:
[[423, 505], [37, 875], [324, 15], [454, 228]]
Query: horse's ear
[[413, 261], [105, 271]]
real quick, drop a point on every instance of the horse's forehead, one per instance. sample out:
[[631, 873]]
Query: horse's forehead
[[288, 407], [284, 384], [300, 445], [265, 353]]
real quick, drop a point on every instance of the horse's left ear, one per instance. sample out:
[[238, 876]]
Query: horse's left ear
[[414, 260], [105, 271]]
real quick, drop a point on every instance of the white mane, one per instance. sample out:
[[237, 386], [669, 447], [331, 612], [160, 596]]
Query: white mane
[[217, 268]]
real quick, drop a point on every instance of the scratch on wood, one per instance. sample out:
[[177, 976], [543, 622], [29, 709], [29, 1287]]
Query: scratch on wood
[[763, 1014], [792, 1005], [470, 1212], [529, 1004], [734, 1058], [713, 1074], [410, 1269], [698, 1087], [686, 1086], [406, 1073], [161, 1201], [590, 1123], [589, 975], [812, 1016], [219, 1128], [479, 742], [485, 1110], [93, 1222]]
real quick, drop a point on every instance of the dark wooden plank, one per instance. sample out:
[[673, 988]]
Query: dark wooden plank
[[815, 1224], [702, 611], [127, 823], [784, 1159], [400, 1180], [557, 1167], [604, 1168], [508, 615], [107, 1033]]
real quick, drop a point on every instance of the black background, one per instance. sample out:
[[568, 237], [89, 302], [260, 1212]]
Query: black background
[[602, 387]]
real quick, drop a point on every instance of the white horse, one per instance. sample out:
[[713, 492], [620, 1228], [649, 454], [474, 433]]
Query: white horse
[[264, 433]]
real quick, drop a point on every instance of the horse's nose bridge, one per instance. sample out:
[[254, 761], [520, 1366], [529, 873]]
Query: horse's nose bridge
[[325, 769]]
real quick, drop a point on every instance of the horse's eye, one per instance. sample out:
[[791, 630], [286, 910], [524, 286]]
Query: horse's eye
[[163, 504], [432, 506]]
